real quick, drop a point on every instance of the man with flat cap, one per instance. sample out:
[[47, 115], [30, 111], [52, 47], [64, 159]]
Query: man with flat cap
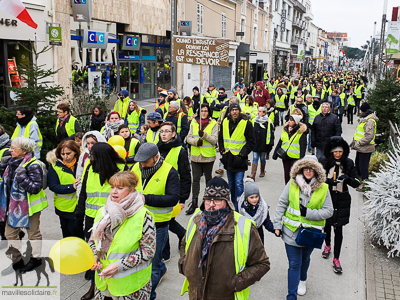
[[154, 120], [160, 188]]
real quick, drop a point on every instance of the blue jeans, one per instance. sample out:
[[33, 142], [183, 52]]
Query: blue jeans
[[320, 153], [235, 180], [259, 155], [272, 96], [309, 139], [158, 267], [299, 261], [281, 119]]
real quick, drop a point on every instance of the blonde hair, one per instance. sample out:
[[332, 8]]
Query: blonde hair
[[124, 179], [24, 143]]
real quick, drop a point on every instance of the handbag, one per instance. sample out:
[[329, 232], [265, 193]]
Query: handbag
[[282, 154], [310, 237]]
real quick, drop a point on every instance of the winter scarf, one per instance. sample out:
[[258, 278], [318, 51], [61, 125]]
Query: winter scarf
[[339, 172], [210, 223], [261, 210], [25, 120], [70, 165], [204, 122], [63, 119], [147, 172], [261, 120], [111, 128], [18, 208], [114, 214], [98, 121], [305, 187], [4, 138]]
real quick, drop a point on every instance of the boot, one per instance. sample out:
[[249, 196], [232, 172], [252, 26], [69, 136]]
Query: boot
[[253, 171], [262, 173], [90, 294], [193, 206], [88, 275]]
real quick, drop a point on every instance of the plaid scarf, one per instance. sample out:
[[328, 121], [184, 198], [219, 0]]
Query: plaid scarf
[[210, 223]]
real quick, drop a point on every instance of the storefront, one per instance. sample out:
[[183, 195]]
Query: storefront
[[258, 63], [242, 62], [282, 62]]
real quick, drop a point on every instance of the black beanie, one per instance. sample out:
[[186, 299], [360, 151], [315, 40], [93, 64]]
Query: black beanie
[[235, 105], [196, 88], [364, 107]]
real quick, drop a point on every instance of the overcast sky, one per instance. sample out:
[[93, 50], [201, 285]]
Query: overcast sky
[[356, 17]]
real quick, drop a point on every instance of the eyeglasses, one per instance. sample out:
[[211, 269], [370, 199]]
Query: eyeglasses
[[216, 202], [19, 114], [165, 131], [12, 149], [221, 93], [308, 170]]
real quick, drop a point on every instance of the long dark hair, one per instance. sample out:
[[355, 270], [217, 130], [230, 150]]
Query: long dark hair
[[104, 160], [101, 110]]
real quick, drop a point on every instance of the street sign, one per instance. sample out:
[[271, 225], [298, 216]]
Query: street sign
[[55, 36], [239, 33], [82, 10], [185, 28], [94, 39]]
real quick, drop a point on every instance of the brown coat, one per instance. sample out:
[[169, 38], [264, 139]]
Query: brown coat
[[364, 145], [219, 280]]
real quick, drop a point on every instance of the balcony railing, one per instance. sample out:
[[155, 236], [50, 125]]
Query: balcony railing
[[299, 23], [298, 5], [297, 40]]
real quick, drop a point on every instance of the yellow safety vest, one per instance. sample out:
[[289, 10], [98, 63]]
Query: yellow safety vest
[[133, 120], [293, 91], [280, 101], [266, 76], [312, 113], [123, 108], [293, 218], [216, 113], [155, 186], [179, 124], [173, 156], [132, 148], [314, 92], [27, 134], [250, 110], [125, 243], [271, 87], [150, 135], [236, 142], [65, 202], [268, 140], [207, 149], [201, 98], [357, 91], [69, 127], [342, 96], [292, 145], [211, 97], [360, 132], [242, 100], [350, 101], [190, 112], [240, 244], [36, 202], [96, 194]]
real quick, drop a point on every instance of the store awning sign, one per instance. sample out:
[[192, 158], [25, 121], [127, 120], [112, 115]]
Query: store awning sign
[[393, 37], [130, 43], [82, 10], [94, 39], [300, 51], [201, 51], [55, 36]]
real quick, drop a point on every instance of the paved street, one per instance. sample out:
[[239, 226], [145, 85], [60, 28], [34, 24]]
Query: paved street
[[322, 280]]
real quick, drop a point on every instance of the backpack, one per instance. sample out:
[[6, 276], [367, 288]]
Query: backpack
[[44, 170]]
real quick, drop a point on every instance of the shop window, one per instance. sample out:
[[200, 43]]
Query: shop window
[[223, 21], [199, 19]]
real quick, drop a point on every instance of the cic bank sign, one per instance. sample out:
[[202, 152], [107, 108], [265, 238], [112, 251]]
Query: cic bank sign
[[94, 39], [130, 42]]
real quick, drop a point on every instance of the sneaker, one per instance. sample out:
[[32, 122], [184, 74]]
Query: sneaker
[[326, 252], [302, 288], [219, 171], [162, 275], [337, 268]]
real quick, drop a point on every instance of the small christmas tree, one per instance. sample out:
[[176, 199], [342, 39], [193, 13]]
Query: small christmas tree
[[382, 211]]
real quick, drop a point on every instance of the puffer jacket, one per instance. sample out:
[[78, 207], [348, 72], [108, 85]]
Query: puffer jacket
[[219, 280], [326, 211], [364, 145], [323, 128]]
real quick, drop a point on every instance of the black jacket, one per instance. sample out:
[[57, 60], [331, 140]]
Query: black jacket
[[236, 163], [324, 127], [341, 200], [61, 133], [299, 128], [260, 137], [184, 124], [185, 176]]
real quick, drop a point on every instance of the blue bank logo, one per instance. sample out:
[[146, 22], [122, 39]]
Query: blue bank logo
[[132, 41], [80, 1], [96, 37]]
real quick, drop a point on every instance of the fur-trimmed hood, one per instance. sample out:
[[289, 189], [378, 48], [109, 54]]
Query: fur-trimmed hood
[[51, 157], [302, 127], [309, 162], [336, 141]]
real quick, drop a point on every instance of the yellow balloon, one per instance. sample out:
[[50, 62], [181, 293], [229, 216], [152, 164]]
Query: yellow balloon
[[177, 210], [120, 150], [116, 140], [71, 255]]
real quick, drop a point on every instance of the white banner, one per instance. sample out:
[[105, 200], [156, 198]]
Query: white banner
[[300, 52], [393, 37]]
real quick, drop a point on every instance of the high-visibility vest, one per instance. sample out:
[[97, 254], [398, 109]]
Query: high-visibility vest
[[36, 202], [190, 112], [360, 132], [150, 136], [250, 110], [27, 134], [132, 148], [240, 244], [211, 97], [1, 156], [357, 91], [280, 101], [121, 106], [201, 99], [266, 76], [207, 149], [173, 156], [155, 186], [179, 124], [293, 91], [350, 100], [271, 87], [292, 145], [242, 99], [314, 92], [159, 106], [271, 116], [133, 120], [216, 113], [342, 96], [125, 242], [65, 202], [96, 194], [268, 139], [69, 127], [312, 113], [293, 218], [236, 142]]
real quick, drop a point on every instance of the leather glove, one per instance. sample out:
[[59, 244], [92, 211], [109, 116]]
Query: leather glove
[[201, 132], [331, 182], [303, 210], [6, 159], [199, 143], [345, 178]]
